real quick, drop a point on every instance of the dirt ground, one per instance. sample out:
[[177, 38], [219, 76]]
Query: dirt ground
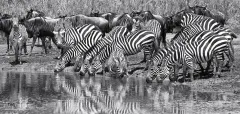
[[45, 63]]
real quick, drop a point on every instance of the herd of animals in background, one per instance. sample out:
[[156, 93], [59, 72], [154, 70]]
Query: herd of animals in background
[[104, 40]]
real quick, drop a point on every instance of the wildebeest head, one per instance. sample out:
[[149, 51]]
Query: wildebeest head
[[199, 10], [176, 18], [5, 16], [146, 15], [34, 13], [169, 24], [95, 14], [59, 36], [135, 13]]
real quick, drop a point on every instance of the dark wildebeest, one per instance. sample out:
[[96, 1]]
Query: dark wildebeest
[[34, 13], [124, 19], [39, 27], [5, 16], [79, 20], [18, 38], [6, 26]]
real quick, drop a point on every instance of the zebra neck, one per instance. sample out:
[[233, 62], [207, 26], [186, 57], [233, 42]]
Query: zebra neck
[[74, 52]]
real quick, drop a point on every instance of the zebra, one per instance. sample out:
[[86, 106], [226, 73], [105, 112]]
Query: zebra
[[157, 28], [73, 35], [18, 38], [79, 49], [183, 19], [101, 46], [131, 45], [189, 31], [117, 63], [192, 29], [162, 53], [194, 52]]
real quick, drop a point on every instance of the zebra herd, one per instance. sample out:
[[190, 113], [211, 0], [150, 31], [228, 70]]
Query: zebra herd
[[97, 43]]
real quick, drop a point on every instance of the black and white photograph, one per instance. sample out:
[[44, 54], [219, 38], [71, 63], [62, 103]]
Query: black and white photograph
[[119, 57]]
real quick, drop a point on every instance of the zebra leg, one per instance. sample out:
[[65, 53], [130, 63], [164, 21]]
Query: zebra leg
[[219, 66], [20, 53], [191, 71], [202, 70], [77, 62], [175, 76], [16, 51], [144, 57], [8, 44], [183, 79], [230, 55], [190, 68], [103, 69]]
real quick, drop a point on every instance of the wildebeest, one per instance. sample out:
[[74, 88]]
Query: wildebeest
[[124, 19], [79, 20], [38, 27], [18, 38], [34, 13], [5, 16], [6, 26]]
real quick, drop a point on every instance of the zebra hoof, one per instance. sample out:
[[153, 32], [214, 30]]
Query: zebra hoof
[[159, 80], [149, 80]]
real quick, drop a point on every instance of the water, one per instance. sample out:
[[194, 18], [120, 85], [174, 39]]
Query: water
[[66, 94]]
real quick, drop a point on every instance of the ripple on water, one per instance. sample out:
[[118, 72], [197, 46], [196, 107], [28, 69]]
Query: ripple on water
[[68, 93]]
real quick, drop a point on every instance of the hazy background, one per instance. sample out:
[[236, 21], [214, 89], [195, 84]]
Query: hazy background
[[54, 8]]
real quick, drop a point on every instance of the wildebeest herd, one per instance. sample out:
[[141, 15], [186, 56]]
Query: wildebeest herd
[[104, 40]]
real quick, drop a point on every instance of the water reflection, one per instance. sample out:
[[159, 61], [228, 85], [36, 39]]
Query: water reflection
[[63, 93]]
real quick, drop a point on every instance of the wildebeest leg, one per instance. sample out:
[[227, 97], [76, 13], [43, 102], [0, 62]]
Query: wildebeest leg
[[25, 48], [44, 48], [78, 61], [33, 44], [8, 45]]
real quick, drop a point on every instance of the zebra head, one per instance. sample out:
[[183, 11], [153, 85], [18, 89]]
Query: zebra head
[[60, 65], [152, 72], [95, 65], [117, 64]]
